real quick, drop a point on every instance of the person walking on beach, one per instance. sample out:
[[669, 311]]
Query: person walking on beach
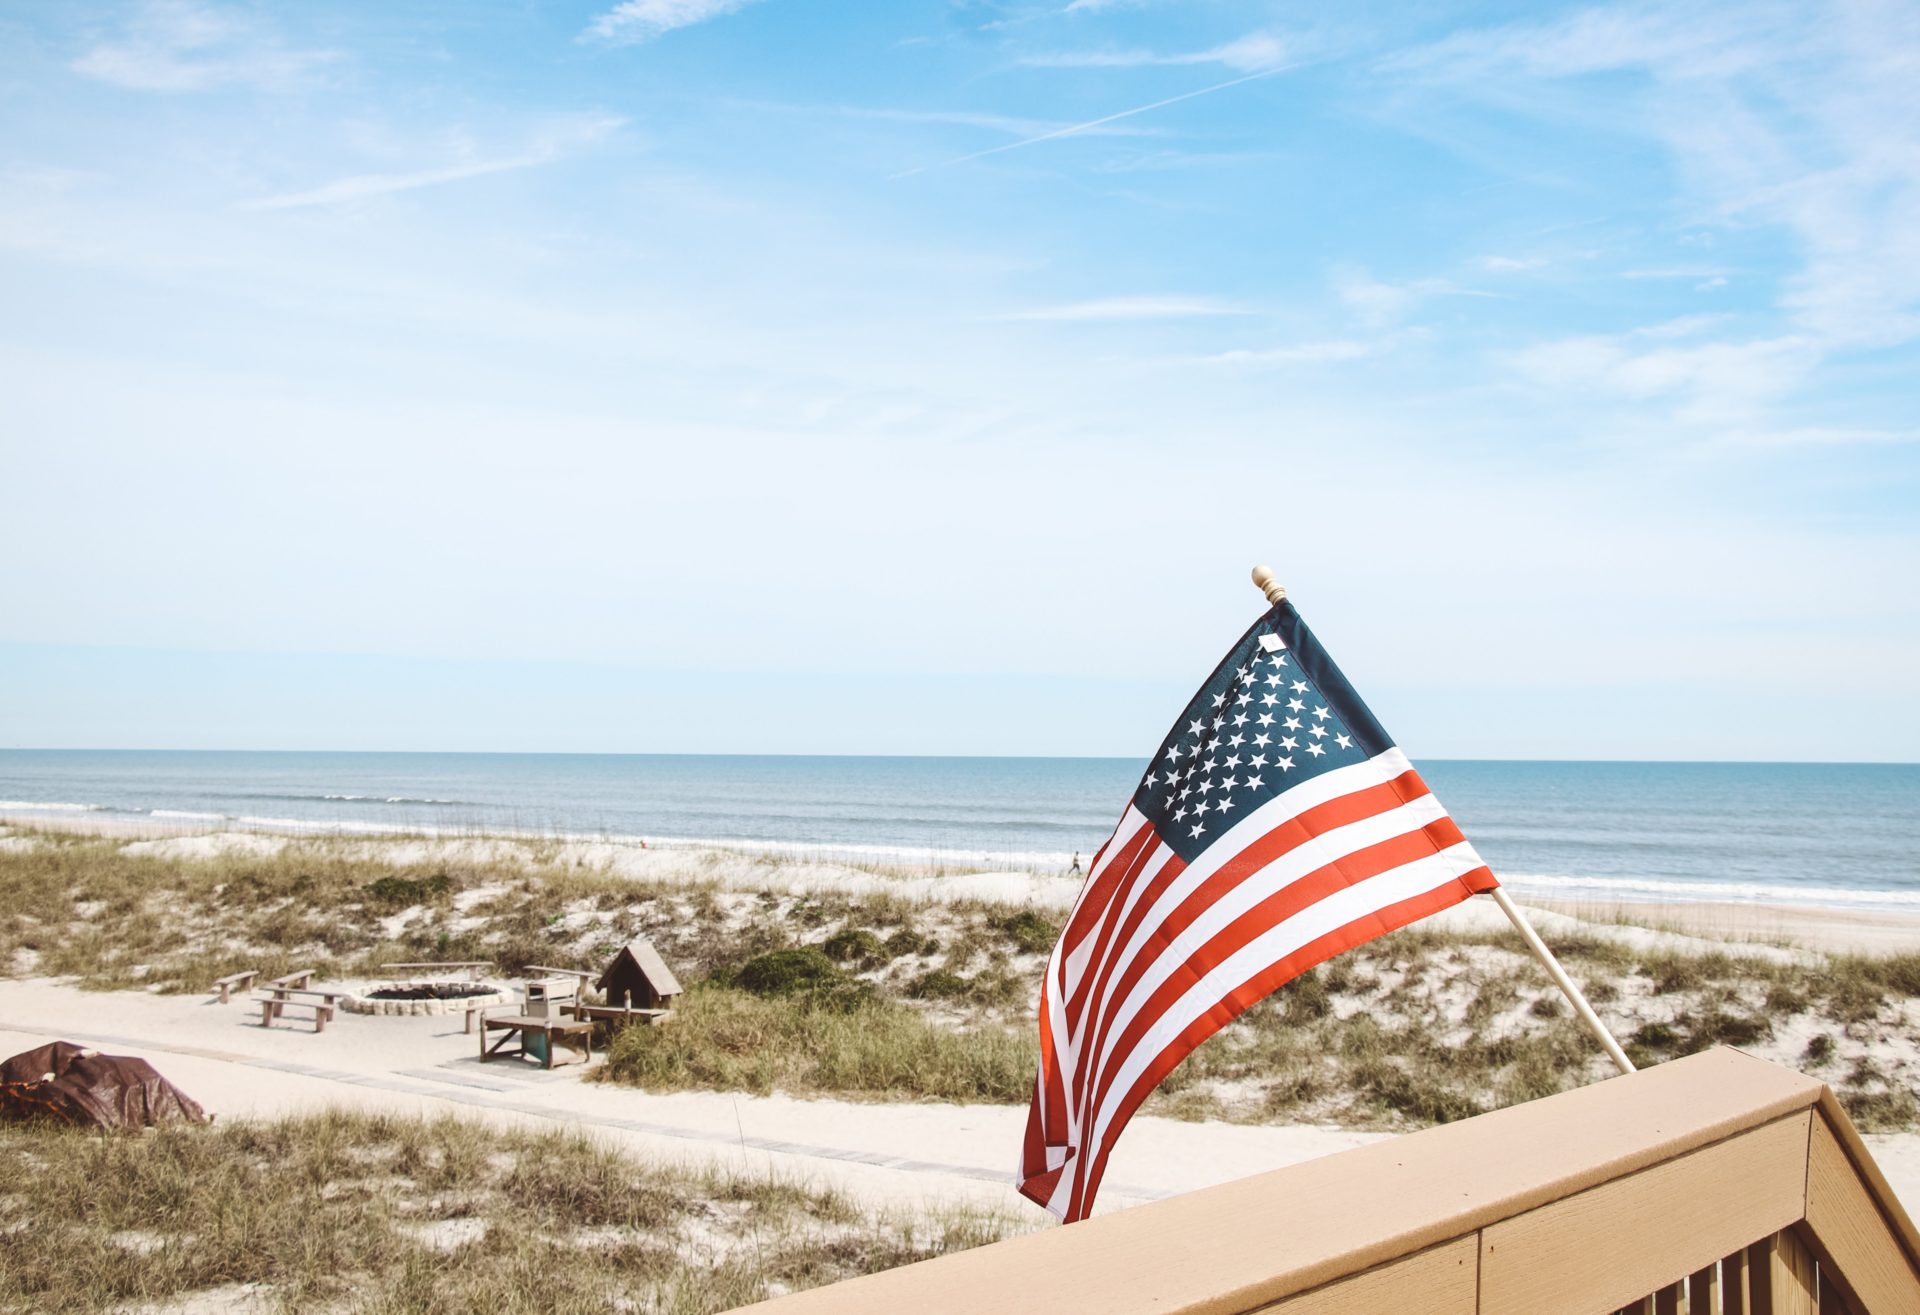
[[1074, 871]]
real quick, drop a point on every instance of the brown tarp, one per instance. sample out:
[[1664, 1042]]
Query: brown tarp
[[71, 1084]]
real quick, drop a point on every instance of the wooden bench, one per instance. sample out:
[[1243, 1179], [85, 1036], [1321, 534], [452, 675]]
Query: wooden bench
[[295, 981], [583, 974], [553, 1031], [275, 1000], [473, 968], [615, 1016], [235, 982]]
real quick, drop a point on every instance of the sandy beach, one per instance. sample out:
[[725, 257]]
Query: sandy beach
[[909, 1154], [906, 1153]]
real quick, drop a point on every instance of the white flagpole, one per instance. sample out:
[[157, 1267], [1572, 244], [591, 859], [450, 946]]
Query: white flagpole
[[1561, 980], [1263, 579]]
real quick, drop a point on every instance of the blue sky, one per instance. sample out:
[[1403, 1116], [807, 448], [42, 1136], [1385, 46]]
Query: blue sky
[[785, 376]]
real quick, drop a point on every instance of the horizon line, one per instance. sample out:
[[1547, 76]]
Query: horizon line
[[1036, 757]]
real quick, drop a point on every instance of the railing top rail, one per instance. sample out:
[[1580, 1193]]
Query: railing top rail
[[1257, 1240]]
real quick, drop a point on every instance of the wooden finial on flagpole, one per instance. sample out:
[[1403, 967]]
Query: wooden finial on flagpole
[[1263, 581]]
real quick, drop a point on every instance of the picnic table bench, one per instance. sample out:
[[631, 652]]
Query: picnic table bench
[[295, 992], [618, 1014], [235, 982], [472, 967], [552, 1031]]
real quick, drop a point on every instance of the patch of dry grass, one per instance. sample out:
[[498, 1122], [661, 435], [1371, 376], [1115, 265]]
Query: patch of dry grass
[[400, 1216]]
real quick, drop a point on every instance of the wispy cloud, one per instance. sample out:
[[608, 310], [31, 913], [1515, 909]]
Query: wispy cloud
[[174, 45], [1256, 50], [643, 20], [1674, 272], [1081, 129], [1304, 353], [1777, 113], [1010, 124], [1131, 308], [1510, 264], [550, 146], [1714, 382], [1377, 302]]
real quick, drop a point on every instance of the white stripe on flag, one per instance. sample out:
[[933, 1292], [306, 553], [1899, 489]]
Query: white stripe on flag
[[1337, 910], [1309, 857]]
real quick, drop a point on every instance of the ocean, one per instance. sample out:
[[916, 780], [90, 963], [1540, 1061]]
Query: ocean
[[1843, 835]]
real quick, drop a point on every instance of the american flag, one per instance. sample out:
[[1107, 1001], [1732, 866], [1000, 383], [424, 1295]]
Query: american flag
[[1276, 827]]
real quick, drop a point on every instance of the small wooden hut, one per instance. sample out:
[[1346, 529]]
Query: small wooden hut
[[638, 978]]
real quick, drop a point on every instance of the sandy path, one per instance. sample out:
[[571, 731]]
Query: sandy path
[[906, 1155], [901, 1155]]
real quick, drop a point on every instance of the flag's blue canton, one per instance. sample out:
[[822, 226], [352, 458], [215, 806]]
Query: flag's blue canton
[[1271, 716]]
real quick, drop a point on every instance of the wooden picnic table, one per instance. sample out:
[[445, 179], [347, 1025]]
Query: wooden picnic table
[[563, 1031]]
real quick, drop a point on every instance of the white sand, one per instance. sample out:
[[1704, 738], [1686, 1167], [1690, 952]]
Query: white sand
[[902, 1154], [881, 1153]]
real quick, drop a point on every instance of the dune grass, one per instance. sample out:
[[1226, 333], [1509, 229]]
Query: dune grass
[[401, 1216], [869, 1048], [906, 1001]]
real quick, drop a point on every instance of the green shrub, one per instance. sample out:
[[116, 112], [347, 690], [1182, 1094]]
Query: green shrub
[[405, 892], [908, 941], [1657, 1036], [1030, 932], [784, 972], [937, 984], [854, 945]]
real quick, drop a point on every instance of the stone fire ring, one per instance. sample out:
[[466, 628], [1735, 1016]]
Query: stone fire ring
[[396, 998]]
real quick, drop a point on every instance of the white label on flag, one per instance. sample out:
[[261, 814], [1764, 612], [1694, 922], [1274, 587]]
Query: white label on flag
[[1272, 643]]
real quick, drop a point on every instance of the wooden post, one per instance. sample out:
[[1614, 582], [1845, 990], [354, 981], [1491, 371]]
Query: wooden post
[[1264, 581]]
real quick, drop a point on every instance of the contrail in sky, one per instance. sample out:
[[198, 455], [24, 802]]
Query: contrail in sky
[[1092, 123]]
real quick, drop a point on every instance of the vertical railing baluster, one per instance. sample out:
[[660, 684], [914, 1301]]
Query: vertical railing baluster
[[1700, 1291], [1733, 1284], [1760, 1278]]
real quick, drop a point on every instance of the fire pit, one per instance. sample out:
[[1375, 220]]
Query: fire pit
[[424, 998]]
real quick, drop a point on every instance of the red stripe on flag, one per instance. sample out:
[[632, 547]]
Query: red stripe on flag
[[1297, 896], [1111, 929], [1316, 952], [1102, 882], [1359, 806]]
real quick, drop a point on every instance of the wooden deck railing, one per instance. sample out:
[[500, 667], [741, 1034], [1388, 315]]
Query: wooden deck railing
[[1717, 1184]]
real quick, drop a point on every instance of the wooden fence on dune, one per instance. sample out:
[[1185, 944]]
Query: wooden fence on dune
[[1714, 1185]]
